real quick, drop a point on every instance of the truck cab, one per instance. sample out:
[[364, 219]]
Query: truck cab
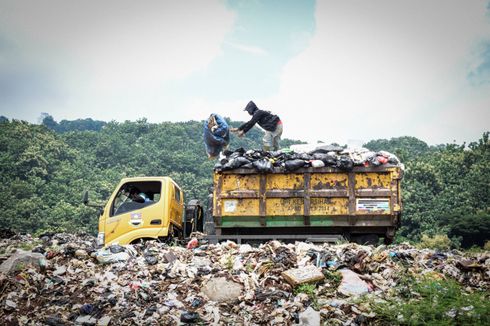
[[142, 208]]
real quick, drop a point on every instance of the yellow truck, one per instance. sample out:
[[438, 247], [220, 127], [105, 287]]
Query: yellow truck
[[316, 204], [146, 208]]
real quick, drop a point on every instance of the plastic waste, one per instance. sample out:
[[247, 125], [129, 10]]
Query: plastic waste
[[345, 163], [352, 284], [293, 165], [151, 260], [317, 164], [189, 317], [193, 243], [86, 309], [224, 284], [105, 256], [263, 165]]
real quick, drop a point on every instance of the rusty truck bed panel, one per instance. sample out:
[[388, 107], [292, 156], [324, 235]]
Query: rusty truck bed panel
[[310, 197]]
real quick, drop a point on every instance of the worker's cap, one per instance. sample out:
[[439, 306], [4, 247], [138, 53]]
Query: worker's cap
[[250, 107]]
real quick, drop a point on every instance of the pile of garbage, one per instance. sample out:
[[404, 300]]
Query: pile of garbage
[[63, 279], [288, 160]]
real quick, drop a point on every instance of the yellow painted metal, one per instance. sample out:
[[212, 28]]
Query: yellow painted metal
[[240, 207], [232, 182], [284, 206], [122, 229], [285, 195], [372, 180], [337, 181], [285, 181], [329, 206]]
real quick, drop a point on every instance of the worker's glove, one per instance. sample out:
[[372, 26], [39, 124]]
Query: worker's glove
[[233, 129], [240, 133]]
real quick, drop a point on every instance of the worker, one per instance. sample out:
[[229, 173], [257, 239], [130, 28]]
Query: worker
[[271, 124], [134, 194], [216, 135]]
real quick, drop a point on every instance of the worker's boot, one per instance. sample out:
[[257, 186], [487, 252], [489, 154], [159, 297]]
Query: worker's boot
[[266, 148]]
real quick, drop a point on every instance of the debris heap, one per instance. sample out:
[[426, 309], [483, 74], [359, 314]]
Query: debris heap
[[288, 160], [63, 279]]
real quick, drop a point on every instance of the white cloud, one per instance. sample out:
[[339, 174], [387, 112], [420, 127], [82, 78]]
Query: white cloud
[[114, 56], [382, 69], [248, 48]]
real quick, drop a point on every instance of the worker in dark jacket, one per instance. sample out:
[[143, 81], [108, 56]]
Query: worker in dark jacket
[[271, 124]]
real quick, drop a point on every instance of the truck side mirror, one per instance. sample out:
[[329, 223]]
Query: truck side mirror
[[85, 197]]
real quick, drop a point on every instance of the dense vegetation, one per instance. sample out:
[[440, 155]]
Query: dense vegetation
[[45, 168]]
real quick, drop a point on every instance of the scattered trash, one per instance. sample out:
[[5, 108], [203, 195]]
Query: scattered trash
[[193, 243], [309, 317], [189, 317], [112, 254], [307, 274], [352, 283], [221, 290], [216, 284], [21, 260], [151, 260]]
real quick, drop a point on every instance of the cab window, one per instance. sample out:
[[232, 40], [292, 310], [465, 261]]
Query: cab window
[[177, 194], [132, 196]]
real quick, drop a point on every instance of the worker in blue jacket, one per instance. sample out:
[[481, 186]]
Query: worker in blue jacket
[[271, 124], [216, 135]]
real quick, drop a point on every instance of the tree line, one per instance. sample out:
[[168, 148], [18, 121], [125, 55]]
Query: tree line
[[45, 168]]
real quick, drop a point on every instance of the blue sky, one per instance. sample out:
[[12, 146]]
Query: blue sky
[[336, 71], [264, 37]]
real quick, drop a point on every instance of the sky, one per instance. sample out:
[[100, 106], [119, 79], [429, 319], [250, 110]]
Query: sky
[[334, 71]]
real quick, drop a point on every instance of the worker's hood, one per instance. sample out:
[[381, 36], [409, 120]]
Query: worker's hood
[[251, 107]]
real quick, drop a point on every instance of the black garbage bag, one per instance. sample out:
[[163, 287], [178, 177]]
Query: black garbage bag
[[327, 148], [218, 167], [276, 154], [116, 249], [373, 160], [235, 163], [293, 165], [345, 163], [151, 260], [234, 155], [305, 157], [328, 159], [189, 317], [393, 160], [319, 156], [263, 165], [248, 166]]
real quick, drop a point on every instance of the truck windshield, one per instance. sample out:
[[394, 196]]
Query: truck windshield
[[136, 195]]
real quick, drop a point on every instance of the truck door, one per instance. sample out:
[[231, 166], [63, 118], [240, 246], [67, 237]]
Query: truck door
[[176, 205], [137, 211]]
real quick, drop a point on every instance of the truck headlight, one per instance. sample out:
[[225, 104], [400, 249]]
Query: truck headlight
[[100, 239]]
